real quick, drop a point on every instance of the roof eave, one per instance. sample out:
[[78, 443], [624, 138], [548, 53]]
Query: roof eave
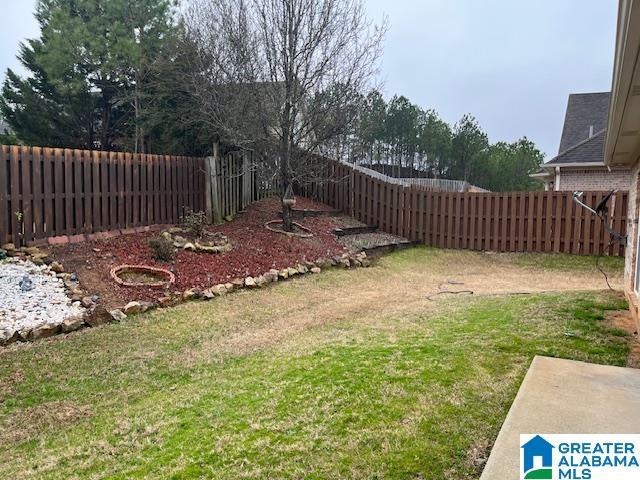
[[622, 146], [550, 165]]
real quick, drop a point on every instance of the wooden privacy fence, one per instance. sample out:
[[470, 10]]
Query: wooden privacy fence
[[502, 222], [233, 181], [47, 192]]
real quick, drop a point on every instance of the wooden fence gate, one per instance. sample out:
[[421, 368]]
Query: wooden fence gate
[[234, 181]]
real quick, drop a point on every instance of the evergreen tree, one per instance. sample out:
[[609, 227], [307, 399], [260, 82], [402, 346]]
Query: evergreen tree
[[469, 146], [434, 144], [88, 73], [40, 113], [371, 126]]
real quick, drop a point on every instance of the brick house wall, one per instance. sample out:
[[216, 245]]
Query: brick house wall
[[632, 229], [631, 252], [594, 180]]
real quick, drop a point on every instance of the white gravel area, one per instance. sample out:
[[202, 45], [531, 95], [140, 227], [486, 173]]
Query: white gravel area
[[23, 309]]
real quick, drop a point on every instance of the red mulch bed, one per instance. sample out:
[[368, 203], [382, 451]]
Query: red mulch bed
[[256, 251]]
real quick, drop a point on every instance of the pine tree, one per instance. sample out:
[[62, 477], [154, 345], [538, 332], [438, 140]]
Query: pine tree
[[88, 73]]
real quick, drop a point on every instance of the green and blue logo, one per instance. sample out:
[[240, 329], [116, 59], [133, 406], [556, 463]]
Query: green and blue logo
[[580, 457], [537, 459]]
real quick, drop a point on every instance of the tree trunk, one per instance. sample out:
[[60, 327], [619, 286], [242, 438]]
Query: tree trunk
[[287, 222], [105, 137], [285, 178]]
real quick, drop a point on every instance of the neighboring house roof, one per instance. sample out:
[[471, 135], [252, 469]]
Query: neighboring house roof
[[586, 113], [590, 150]]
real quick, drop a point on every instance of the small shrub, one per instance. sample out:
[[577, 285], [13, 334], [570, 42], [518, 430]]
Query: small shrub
[[162, 248], [195, 223]]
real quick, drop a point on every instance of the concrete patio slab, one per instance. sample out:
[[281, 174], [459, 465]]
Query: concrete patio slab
[[564, 396]]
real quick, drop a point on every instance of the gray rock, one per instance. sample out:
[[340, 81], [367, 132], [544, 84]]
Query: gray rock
[[98, 315], [324, 263], [191, 294], [249, 282], [56, 267], [118, 315], [133, 308], [219, 290], [9, 247], [8, 337], [168, 301], [71, 324], [44, 331]]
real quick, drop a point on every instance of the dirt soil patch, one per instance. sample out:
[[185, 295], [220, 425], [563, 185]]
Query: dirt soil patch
[[256, 250], [623, 320]]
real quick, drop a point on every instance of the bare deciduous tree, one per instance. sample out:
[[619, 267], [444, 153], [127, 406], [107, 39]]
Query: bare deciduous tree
[[269, 73]]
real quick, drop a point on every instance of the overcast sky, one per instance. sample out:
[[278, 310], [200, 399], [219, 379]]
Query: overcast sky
[[511, 63]]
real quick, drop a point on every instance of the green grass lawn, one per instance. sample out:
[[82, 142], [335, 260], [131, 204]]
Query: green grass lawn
[[349, 389], [563, 261]]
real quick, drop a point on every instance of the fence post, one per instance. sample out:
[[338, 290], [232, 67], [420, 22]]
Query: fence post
[[246, 180], [352, 188], [211, 186]]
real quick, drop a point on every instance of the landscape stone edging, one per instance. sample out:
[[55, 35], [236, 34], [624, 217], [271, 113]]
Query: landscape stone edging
[[94, 313], [272, 276], [89, 237], [97, 314], [182, 243]]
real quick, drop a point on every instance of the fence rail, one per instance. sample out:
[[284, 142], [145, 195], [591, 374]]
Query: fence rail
[[46, 192], [442, 185], [436, 184], [502, 222]]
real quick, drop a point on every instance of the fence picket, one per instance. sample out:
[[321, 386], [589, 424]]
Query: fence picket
[[68, 192]]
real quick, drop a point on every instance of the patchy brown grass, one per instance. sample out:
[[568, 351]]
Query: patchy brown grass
[[623, 320], [49, 416], [346, 374]]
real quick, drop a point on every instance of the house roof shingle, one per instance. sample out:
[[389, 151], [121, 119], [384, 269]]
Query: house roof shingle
[[584, 110], [590, 150]]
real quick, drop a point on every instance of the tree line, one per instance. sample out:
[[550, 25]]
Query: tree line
[[286, 79], [404, 140]]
